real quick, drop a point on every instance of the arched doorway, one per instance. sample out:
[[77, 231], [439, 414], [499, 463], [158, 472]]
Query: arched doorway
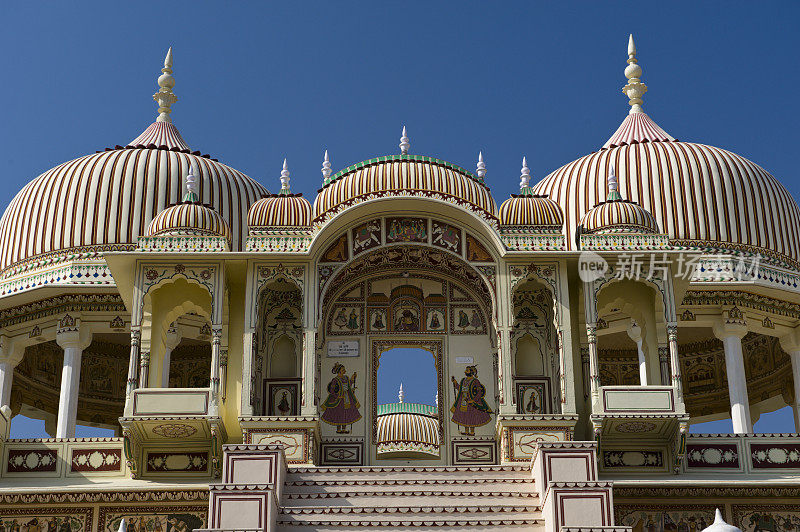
[[407, 297]]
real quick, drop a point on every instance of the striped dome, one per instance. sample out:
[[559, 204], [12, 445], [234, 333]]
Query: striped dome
[[408, 429], [104, 201], [280, 210], [619, 217], [404, 175], [529, 209], [698, 194], [189, 219]]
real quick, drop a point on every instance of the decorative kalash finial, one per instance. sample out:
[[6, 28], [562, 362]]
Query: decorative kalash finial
[[719, 525], [635, 89], [191, 186], [613, 186], [165, 97], [285, 179], [404, 144], [480, 170], [326, 168], [525, 178], [400, 394]]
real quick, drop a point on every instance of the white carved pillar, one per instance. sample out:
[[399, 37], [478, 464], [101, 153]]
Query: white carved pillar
[[791, 344], [594, 360], [674, 361], [635, 334], [505, 370], [10, 356], [73, 341], [133, 364], [308, 373], [172, 340], [731, 332], [216, 347], [6, 376]]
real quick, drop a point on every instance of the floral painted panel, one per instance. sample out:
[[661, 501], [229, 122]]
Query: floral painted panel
[[153, 518], [663, 518]]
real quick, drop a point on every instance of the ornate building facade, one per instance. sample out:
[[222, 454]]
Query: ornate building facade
[[231, 338]]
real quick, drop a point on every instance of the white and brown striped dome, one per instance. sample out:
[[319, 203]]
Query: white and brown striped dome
[[279, 210], [527, 208], [190, 219], [408, 430], [619, 216], [106, 200], [699, 195], [404, 175]]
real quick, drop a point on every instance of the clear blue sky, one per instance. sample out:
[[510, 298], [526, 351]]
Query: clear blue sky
[[258, 82]]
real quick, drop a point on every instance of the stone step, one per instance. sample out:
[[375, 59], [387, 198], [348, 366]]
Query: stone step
[[336, 483], [416, 498], [469, 517], [416, 472], [536, 525]]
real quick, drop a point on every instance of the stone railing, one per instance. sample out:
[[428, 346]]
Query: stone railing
[[61, 458], [776, 454]]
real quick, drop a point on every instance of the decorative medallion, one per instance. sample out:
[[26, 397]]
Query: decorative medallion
[[632, 427], [174, 430]]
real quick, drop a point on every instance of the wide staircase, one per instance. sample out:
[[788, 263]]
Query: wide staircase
[[477, 498], [559, 491]]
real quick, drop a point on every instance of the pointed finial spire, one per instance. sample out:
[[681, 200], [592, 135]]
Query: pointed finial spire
[[123, 525], [635, 89], [524, 176], [404, 144], [481, 168], [326, 168], [191, 186], [285, 179], [164, 96], [613, 185], [400, 394], [719, 524]]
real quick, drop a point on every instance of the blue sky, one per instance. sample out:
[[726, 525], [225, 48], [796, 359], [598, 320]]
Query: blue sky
[[258, 82]]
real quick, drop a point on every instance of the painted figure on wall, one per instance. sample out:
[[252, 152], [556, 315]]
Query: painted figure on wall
[[341, 406], [470, 409], [352, 321]]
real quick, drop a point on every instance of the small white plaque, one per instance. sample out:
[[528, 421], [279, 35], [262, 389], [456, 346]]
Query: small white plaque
[[465, 360], [343, 348]]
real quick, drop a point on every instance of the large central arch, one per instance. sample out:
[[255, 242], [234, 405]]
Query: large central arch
[[406, 296]]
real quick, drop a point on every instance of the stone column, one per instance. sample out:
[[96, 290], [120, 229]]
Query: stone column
[[10, 356], [73, 343], [505, 366], [791, 344], [172, 341], [6, 376], [133, 364], [216, 347], [731, 332], [308, 372], [635, 334], [674, 361], [594, 361]]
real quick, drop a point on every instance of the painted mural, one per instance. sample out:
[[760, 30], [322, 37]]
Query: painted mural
[[665, 518], [469, 408], [341, 408]]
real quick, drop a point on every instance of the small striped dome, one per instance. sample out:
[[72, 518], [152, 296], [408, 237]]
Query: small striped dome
[[527, 208], [407, 430], [404, 175], [619, 216], [189, 219], [280, 210]]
